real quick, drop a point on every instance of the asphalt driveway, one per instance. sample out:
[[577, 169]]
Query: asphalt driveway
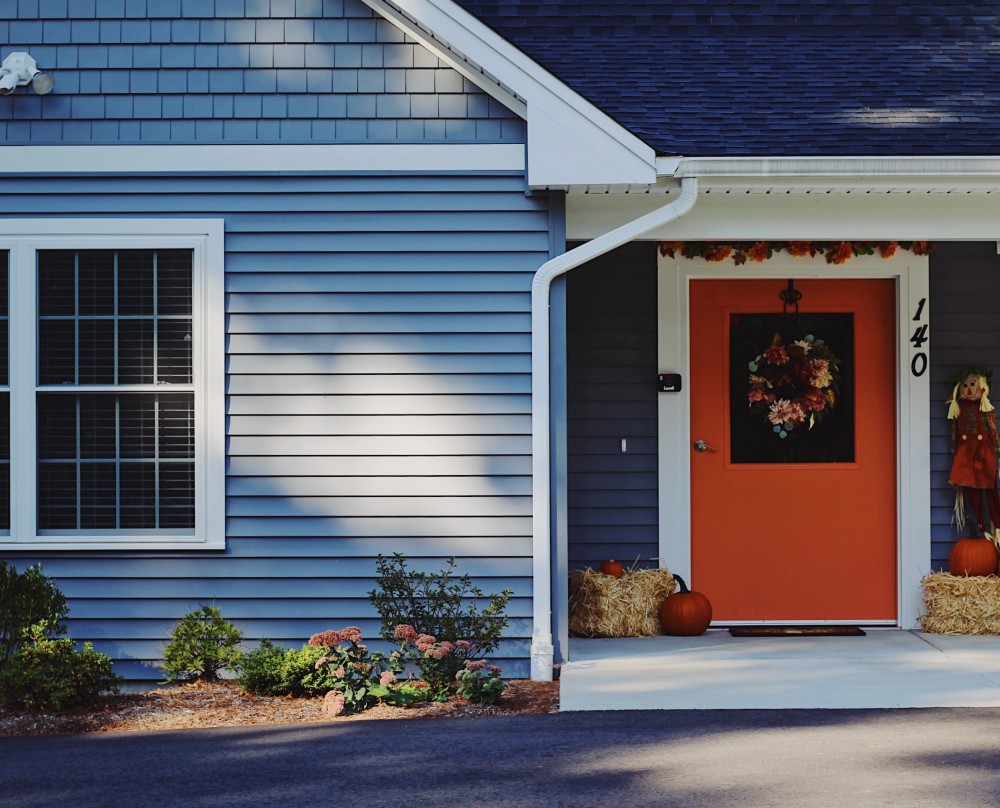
[[829, 758]]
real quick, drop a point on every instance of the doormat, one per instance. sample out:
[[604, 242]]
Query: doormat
[[797, 631]]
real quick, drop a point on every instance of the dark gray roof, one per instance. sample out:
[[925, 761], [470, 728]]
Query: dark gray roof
[[826, 77]]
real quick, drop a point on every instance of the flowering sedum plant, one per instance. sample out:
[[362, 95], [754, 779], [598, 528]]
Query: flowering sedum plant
[[353, 677], [480, 682], [793, 384]]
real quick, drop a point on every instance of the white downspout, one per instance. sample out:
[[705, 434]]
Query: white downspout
[[541, 638]]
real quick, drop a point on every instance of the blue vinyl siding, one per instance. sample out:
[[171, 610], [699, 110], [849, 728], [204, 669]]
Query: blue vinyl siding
[[965, 330], [378, 400], [255, 72], [611, 358]]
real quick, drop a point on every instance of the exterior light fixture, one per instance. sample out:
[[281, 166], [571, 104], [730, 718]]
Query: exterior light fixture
[[20, 70]]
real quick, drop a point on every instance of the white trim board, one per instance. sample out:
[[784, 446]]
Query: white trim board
[[262, 158], [912, 399], [205, 237]]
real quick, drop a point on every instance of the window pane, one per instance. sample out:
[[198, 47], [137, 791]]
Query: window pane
[[176, 438], [98, 495], [135, 352], [97, 352], [56, 283], [87, 324], [173, 352], [57, 496], [137, 427], [57, 427], [135, 282], [57, 352], [96, 282], [115, 460], [173, 284], [177, 495]]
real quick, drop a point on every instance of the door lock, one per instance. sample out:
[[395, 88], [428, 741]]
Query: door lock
[[701, 446]]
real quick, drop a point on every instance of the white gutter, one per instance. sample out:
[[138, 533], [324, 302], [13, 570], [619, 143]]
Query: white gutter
[[541, 638]]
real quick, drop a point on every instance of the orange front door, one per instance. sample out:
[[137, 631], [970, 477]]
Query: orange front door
[[800, 539]]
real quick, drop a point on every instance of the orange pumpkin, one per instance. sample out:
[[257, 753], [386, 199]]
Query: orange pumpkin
[[685, 613], [611, 568], [973, 557]]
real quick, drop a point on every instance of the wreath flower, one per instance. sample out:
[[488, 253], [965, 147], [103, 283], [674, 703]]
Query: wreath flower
[[793, 384]]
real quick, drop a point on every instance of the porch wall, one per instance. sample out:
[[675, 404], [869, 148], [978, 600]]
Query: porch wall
[[965, 330], [611, 355]]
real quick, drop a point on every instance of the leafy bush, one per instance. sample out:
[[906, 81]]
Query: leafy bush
[[480, 683], [271, 670], [202, 644], [27, 599], [439, 604], [51, 675], [441, 608]]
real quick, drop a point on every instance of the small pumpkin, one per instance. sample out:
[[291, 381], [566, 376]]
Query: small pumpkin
[[973, 556], [611, 567], [685, 613]]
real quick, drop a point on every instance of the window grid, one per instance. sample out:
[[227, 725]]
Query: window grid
[[91, 506]]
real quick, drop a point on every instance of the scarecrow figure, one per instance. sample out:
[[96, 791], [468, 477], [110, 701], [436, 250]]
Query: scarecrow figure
[[975, 446]]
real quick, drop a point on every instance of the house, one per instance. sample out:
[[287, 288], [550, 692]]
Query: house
[[293, 283]]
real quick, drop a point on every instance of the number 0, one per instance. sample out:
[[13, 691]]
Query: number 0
[[919, 364]]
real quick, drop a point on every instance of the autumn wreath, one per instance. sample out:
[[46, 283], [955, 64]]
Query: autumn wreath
[[794, 384]]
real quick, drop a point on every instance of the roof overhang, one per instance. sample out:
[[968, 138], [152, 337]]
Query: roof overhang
[[570, 141]]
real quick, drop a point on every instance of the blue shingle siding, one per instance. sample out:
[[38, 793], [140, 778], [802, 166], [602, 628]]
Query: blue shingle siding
[[378, 400], [965, 330], [717, 77], [193, 64], [611, 357]]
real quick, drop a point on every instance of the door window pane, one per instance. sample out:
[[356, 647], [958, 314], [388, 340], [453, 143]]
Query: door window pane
[[791, 388]]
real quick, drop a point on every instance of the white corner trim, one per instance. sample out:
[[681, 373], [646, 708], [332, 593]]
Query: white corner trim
[[263, 158], [563, 144]]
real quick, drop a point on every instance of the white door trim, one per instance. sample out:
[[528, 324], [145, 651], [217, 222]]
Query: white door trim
[[912, 404]]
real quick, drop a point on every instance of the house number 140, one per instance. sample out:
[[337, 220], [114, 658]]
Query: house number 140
[[918, 365]]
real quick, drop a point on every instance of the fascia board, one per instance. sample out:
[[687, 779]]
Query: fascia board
[[862, 167], [570, 141]]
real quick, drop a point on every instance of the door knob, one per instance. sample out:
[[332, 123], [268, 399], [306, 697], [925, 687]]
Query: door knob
[[701, 446]]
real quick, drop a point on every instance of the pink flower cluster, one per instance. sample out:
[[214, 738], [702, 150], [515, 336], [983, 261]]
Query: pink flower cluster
[[331, 639], [475, 664], [333, 703], [405, 632], [438, 650], [387, 678]]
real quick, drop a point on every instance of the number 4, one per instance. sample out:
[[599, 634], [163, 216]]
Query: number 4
[[919, 336]]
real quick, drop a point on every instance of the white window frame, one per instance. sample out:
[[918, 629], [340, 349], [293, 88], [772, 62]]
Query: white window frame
[[23, 239]]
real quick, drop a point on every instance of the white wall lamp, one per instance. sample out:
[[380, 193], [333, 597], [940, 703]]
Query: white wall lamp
[[20, 70]]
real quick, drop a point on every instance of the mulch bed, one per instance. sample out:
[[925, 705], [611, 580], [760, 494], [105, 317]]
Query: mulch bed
[[223, 704]]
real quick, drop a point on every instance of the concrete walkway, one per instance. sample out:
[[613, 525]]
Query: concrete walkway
[[886, 668]]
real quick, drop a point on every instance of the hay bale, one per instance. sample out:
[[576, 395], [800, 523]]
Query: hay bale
[[604, 606], [961, 605]]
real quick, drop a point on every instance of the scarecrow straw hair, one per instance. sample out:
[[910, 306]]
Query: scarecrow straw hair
[[961, 605], [604, 606]]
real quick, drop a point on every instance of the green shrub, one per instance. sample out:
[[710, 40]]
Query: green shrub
[[202, 644], [442, 610], [27, 599], [439, 604], [47, 675], [271, 670]]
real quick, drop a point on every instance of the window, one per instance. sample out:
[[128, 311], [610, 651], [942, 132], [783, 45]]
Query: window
[[117, 348]]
